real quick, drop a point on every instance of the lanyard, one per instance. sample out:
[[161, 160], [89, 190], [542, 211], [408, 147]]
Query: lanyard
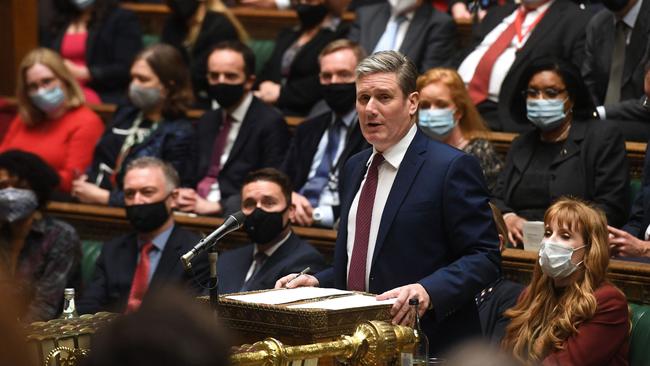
[[519, 22]]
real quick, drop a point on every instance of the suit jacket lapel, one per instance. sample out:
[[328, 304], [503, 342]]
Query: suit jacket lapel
[[169, 259], [415, 31], [638, 42], [522, 158], [128, 259], [245, 130], [406, 173], [547, 24], [572, 145], [377, 27]]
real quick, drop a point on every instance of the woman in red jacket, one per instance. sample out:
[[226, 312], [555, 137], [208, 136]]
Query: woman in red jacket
[[570, 314], [52, 120]]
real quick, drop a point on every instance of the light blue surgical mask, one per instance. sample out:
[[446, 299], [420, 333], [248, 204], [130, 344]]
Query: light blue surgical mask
[[555, 259], [545, 114], [48, 100], [436, 123], [83, 4]]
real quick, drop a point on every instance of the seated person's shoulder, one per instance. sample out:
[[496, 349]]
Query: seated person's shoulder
[[608, 295]]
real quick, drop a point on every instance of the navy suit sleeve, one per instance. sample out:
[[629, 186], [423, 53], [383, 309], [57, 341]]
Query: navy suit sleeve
[[472, 238]]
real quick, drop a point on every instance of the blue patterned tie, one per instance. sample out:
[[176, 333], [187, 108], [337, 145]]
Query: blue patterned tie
[[314, 186], [388, 40]]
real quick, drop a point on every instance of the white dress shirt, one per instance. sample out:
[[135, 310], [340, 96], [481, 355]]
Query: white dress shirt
[[401, 32], [507, 58], [237, 117], [387, 172]]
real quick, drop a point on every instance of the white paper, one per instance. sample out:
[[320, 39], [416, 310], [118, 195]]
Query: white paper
[[283, 296], [345, 302], [533, 235]]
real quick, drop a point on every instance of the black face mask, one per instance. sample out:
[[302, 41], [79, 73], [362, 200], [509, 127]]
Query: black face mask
[[183, 9], [340, 97], [615, 5], [263, 226], [227, 95], [147, 217], [310, 15]]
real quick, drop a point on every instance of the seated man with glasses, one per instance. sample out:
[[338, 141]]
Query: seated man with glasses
[[567, 154]]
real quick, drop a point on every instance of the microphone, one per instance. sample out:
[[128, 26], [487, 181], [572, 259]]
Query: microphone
[[232, 223]]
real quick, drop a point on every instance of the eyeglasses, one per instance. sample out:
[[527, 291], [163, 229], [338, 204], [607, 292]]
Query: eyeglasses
[[547, 93]]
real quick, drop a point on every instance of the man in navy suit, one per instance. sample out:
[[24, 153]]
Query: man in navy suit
[[243, 135], [415, 219], [275, 250], [150, 256], [324, 142]]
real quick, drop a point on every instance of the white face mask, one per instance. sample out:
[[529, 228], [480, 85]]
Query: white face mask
[[399, 6], [555, 259]]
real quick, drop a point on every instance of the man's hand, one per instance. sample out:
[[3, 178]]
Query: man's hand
[[187, 200], [79, 72], [303, 214], [624, 244], [401, 308], [269, 92], [87, 192], [515, 225], [264, 4], [293, 281]]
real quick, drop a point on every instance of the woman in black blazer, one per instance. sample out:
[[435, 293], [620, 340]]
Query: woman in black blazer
[[112, 39], [290, 76], [567, 154], [193, 28]]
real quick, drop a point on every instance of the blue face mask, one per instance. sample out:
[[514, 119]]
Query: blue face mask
[[545, 114], [48, 100], [436, 123], [83, 4]]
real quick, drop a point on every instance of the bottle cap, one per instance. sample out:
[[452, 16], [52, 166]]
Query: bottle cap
[[414, 301], [68, 291]]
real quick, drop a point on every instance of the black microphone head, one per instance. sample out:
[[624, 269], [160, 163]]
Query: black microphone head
[[239, 216]]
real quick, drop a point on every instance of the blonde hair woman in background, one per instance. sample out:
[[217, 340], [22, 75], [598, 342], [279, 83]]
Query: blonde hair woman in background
[[194, 27], [570, 314], [448, 114], [53, 122]]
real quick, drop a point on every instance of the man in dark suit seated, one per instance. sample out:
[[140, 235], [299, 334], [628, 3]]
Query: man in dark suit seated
[[149, 256], [633, 242], [322, 144], [413, 27], [415, 215], [244, 134], [508, 37], [633, 115], [275, 250]]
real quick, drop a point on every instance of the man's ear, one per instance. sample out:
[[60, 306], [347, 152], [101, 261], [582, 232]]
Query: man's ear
[[173, 196], [250, 81], [414, 102]]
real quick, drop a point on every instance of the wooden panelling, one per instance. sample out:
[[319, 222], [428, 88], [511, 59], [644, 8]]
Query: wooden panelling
[[18, 35]]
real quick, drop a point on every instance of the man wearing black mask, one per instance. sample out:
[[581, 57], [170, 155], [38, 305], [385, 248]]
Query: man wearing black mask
[[275, 250], [323, 143], [242, 135], [616, 47], [131, 264]]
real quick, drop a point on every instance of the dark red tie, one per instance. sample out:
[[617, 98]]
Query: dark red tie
[[140, 279], [357, 273], [479, 86], [206, 183]]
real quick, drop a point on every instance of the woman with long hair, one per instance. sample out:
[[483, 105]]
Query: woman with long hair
[[152, 124], [570, 314], [53, 121], [446, 113]]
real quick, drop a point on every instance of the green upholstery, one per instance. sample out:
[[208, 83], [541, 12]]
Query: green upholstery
[[262, 48], [640, 337], [150, 39], [90, 250], [635, 187]]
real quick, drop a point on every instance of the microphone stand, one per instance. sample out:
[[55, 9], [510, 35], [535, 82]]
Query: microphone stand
[[214, 281]]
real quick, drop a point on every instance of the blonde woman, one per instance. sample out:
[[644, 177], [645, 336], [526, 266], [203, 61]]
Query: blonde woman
[[193, 28], [570, 314], [53, 121], [447, 114]]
